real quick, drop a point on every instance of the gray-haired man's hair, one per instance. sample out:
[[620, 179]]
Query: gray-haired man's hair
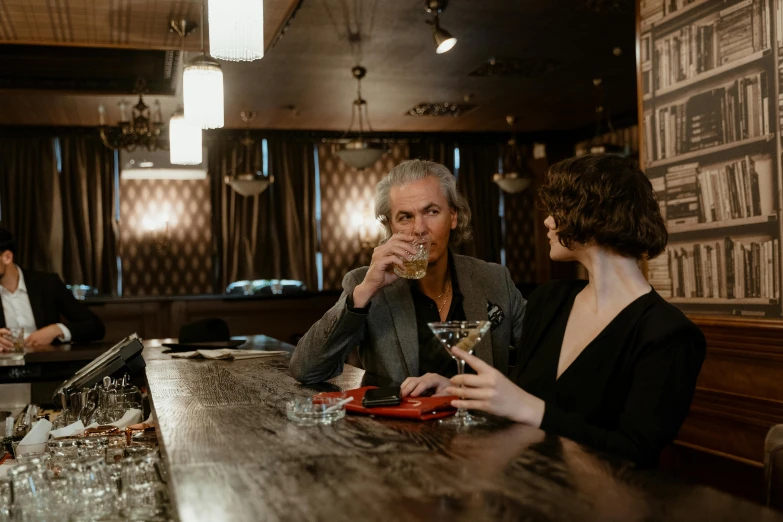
[[415, 170]]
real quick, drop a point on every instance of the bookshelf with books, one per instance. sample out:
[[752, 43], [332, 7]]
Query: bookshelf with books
[[711, 147]]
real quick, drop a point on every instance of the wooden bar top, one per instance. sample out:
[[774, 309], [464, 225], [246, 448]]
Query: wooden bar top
[[233, 455]]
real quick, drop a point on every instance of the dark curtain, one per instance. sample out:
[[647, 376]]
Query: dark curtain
[[478, 163], [434, 149], [272, 235], [90, 230], [293, 165], [29, 199]]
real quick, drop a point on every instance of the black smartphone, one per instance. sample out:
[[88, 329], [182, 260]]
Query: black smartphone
[[388, 396]]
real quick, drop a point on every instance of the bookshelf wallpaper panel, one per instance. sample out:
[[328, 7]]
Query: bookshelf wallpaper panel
[[711, 146]]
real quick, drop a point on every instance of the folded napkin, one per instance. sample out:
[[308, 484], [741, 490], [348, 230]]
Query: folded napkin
[[38, 434], [225, 354], [416, 408], [132, 416], [67, 431]]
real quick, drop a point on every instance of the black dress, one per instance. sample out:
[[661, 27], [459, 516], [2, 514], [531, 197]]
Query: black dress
[[629, 390]]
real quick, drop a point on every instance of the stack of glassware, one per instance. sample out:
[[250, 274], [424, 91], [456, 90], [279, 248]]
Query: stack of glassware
[[86, 478]]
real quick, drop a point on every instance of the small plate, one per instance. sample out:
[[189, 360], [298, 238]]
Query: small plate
[[213, 345]]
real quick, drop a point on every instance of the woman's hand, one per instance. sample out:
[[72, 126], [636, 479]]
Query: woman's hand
[[490, 391], [381, 272], [415, 386]]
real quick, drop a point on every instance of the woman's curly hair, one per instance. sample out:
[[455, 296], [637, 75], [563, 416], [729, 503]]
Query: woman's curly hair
[[605, 199]]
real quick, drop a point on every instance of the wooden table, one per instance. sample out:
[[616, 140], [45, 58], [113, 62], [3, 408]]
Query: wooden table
[[233, 455]]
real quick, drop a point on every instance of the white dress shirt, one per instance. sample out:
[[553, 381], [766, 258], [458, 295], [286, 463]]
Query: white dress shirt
[[18, 312]]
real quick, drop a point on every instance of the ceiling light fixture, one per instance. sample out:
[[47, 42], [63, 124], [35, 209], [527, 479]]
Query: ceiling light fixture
[[236, 29], [516, 175], [185, 145], [202, 88], [142, 129], [444, 41], [359, 153], [249, 183]]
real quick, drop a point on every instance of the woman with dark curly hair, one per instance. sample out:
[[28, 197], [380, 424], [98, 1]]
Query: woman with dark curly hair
[[607, 361]]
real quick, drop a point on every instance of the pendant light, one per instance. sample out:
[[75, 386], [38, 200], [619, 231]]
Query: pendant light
[[185, 145], [516, 175], [202, 88], [236, 29], [360, 153], [184, 137], [250, 182]]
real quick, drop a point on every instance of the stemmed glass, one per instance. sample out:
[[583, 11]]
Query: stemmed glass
[[465, 335]]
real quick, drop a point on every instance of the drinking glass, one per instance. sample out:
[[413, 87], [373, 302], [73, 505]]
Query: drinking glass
[[31, 494], [16, 336], [143, 493], [416, 267], [93, 447], [94, 489], [464, 335], [115, 448], [62, 452], [138, 450], [5, 499], [35, 458]]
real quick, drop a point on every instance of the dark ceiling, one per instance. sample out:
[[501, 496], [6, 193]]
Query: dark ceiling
[[533, 59]]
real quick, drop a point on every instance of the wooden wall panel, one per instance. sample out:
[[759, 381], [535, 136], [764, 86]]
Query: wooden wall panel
[[284, 318], [739, 396]]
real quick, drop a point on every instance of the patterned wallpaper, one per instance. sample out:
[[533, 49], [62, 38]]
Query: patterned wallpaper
[[347, 202], [160, 257], [520, 240]]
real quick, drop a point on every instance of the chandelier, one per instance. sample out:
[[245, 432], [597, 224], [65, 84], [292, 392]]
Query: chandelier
[[142, 129], [236, 29], [360, 153]]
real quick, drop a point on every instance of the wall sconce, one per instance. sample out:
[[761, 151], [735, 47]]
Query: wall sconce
[[157, 228], [367, 229]]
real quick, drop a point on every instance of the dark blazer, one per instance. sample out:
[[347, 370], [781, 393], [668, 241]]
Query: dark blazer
[[387, 334], [52, 302]]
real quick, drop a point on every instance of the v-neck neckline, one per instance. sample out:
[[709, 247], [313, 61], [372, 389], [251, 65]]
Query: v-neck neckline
[[610, 325]]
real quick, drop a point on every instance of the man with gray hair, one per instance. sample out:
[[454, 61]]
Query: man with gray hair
[[386, 316]]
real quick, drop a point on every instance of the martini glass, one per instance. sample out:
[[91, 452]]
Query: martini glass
[[465, 335]]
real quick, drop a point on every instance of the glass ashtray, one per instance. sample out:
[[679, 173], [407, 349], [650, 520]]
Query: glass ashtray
[[313, 411]]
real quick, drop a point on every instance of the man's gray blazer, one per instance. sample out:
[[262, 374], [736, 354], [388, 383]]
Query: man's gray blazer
[[387, 335]]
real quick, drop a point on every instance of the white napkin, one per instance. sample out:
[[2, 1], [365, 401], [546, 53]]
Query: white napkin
[[225, 354], [67, 431], [38, 434], [132, 416]]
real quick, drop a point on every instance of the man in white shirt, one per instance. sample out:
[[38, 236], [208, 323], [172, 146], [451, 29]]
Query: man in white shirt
[[36, 301]]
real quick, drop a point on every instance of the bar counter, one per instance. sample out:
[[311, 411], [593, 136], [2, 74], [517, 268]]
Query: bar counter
[[233, 455]]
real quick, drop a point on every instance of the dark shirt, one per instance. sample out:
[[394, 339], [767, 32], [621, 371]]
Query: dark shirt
[[433, 357], [629, 390]]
